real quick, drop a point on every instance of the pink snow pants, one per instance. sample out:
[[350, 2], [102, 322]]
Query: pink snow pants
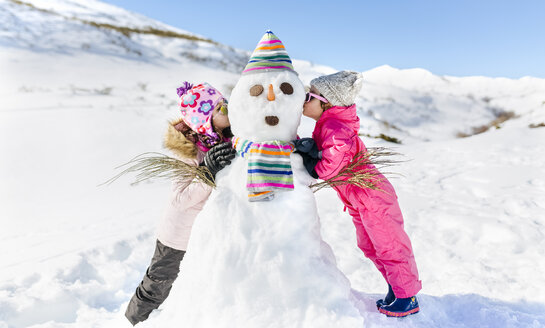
[[381, 236]]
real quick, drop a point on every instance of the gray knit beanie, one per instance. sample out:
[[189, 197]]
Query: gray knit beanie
[[340, 88]]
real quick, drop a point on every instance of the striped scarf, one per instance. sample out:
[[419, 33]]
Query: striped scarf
[[269, 167]]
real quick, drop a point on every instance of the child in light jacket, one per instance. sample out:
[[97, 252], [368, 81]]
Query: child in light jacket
[[200, 137], [375, 213]]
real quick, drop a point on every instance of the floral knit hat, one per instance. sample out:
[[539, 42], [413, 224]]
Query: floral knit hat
[[196, 105]]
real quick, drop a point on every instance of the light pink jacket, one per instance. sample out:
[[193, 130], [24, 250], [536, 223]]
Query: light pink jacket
[[187, 197], [376, 214]]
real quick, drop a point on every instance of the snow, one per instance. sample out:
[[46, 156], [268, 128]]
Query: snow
[[73, 251], [249, 264]]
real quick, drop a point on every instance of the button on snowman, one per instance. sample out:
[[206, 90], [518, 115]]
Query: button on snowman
[[256, 257]]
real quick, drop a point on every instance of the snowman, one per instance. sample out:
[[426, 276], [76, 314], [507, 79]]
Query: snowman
[[256, 257]]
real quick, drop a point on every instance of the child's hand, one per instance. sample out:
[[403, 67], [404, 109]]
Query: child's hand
[[307, 146], [219, 157], [308, 149]]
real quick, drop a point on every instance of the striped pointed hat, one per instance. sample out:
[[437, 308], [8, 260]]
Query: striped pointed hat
[[270, 54]]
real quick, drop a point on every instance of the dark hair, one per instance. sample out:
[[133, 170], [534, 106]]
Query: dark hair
[[325, 106]]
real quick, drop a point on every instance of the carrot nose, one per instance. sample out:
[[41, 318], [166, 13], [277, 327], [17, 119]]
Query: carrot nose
[[270, 96]]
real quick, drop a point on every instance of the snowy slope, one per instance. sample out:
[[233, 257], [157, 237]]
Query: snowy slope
[[72, 27], [415, 104], [77, 99]]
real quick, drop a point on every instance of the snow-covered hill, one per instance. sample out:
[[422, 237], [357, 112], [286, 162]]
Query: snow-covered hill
[[414, 103], [85, 86], [72, 27]]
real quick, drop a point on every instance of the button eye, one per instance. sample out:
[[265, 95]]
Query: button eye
[[286, 88], [256, 90]]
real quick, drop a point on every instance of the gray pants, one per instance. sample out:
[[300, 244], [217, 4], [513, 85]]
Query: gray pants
[[157, 282]]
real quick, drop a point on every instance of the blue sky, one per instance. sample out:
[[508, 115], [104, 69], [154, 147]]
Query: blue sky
[[480, 37]]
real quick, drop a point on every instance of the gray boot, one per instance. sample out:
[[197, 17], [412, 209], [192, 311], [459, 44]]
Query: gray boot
[[156, 285]]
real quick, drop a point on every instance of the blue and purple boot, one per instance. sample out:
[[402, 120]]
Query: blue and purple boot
[[401, 307], [390, 297]]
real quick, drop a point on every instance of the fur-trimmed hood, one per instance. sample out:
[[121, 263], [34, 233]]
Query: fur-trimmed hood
[[178, 144]]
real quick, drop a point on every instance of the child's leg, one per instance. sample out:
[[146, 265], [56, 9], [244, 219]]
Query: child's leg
[[156, 284], [364, 243], [384, 227]]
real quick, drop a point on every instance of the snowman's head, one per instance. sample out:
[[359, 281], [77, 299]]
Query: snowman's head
[[267, 106]]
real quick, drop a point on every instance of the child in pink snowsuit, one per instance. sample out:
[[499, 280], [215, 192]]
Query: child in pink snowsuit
[[375, 213]]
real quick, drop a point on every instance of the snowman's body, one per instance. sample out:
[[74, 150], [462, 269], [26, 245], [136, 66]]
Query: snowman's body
[[260, 264]]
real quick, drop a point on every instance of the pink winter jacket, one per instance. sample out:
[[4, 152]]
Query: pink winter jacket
[[336, 135], [375, 213], [187, 197]]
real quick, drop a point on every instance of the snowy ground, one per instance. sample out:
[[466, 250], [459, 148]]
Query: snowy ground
[[73, 251]]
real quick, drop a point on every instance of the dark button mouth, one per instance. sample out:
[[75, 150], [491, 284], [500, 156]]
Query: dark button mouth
[[271, 120]]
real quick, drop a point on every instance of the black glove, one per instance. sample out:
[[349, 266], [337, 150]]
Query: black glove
[[310, 164], [219, 157], [308, 146], [308, 149]]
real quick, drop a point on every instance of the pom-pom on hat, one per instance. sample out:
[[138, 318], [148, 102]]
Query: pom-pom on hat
[[196, 105], [270, 54], [340, 88]]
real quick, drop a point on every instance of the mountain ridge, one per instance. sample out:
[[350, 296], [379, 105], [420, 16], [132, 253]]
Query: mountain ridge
[[406, 105]]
